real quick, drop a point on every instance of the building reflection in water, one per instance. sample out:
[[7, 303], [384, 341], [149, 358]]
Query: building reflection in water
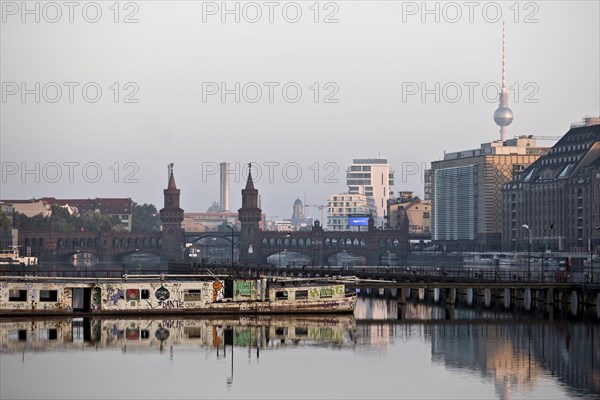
[[513, 351]]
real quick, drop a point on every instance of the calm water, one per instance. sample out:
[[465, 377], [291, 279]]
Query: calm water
[[430, 352]]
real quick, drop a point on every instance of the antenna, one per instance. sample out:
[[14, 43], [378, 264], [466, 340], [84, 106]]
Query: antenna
[[503, 57], [503, 116]]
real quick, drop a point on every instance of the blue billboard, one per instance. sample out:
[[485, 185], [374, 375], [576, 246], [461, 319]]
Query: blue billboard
[[358, 221]]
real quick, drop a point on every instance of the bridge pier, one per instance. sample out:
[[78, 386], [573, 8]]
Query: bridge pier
[[470, 296], [527, 299], [574, 302], [487, 294], [507, 298], [451, 296]]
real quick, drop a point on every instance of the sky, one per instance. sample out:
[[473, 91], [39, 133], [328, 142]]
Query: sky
[[99, 97]]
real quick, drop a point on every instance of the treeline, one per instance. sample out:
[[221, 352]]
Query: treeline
[[145, 218]]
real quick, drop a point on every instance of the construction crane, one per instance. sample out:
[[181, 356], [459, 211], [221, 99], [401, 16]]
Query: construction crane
[[320, 207]]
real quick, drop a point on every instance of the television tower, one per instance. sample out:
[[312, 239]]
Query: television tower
[[503, 115]]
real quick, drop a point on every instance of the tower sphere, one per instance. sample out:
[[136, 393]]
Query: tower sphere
[[503, 116]]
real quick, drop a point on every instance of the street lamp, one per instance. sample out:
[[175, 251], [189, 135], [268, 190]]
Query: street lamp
[[592, 253], [525, 226], [544, 247], [231, 226]]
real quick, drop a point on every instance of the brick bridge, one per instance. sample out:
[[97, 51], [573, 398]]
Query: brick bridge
[[106, 245], [375, 245]]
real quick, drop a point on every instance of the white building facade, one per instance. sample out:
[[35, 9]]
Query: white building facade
[[341, 206], [373, 178]]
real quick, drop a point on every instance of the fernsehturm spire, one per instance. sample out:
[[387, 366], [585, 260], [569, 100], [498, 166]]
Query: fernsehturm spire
[[503, 116]]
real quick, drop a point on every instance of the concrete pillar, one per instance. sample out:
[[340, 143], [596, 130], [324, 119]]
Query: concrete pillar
[[421, 292], [487, 295], [436, 295], [470, 296], [401, 311], [451, 296], [506, 298], [550, 297], [527, 299], [574, 302]]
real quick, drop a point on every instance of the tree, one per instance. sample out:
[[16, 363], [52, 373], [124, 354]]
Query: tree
[[145, 218]]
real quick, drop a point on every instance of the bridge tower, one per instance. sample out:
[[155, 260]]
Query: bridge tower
[[249, 216], [171, 217]]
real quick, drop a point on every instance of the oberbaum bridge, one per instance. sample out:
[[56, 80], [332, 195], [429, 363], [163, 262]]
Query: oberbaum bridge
[[449, 281]]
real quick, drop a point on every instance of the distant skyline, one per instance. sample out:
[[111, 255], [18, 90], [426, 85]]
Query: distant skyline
[[370, 69]]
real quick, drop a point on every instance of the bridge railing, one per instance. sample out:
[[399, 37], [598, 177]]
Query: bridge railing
[[398, 273]]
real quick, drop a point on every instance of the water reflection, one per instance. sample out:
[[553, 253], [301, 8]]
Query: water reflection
[[472, 352], [139, 335]]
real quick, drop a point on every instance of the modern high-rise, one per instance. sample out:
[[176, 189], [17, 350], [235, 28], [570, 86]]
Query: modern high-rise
[[467, 189], [374, 178]]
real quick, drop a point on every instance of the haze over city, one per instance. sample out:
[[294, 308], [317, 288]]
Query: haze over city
[[378, 80]]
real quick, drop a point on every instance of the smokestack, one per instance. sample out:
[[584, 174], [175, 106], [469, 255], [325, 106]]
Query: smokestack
[[224, 186]]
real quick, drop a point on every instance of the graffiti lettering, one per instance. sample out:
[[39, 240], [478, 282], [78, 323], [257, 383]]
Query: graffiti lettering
[[331, 304], [168, 304]]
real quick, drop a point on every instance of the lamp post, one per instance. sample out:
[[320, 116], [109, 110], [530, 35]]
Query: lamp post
[[592, 253], [544, 246], [231, 226], [528, 252]]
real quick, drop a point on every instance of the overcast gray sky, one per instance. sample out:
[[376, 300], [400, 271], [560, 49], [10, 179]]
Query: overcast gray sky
[[362, 69]]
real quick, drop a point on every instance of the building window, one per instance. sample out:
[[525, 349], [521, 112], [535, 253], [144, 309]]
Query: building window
[[281, 295], [426, 214], [17, 295], [49, 295]]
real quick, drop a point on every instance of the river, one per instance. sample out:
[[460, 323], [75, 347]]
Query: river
[[383, 351]]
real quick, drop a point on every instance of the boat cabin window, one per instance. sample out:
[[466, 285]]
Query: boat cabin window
[[17, 295], [192, 295], [281, 295], [145, 294], [301, 294], [49, 295], [301, 331], [281, 331], [52, 334]]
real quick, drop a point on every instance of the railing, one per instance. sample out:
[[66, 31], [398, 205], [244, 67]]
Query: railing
[[397, 273]]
